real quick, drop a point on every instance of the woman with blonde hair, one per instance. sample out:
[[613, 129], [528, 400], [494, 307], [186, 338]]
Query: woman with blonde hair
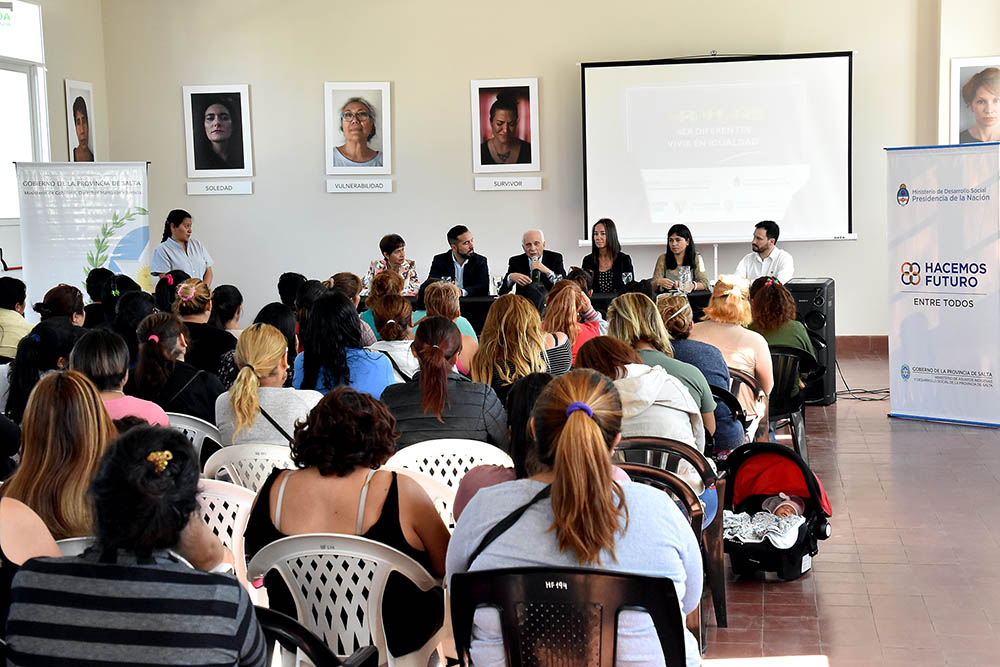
[[64, 433], [634, 320], [567, 309], [513, 345], [208, 343], [577, 515], [258, 408], [441, 299], [387, 283], [728, 313]]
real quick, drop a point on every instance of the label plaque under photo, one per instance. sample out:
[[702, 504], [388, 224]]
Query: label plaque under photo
[[509, 183], [358, 185], [220, 188]]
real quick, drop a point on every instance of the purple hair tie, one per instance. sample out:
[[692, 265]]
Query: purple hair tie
[[579, 405]]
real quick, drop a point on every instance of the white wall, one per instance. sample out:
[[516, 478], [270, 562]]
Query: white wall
[[429, 51]]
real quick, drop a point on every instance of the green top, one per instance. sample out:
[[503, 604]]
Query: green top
[[686, 373], [790, 334], [464, 326]]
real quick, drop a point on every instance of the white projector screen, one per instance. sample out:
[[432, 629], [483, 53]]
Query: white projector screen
[[719, 144]]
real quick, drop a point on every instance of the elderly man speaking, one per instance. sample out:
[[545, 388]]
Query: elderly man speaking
[[535, 264]]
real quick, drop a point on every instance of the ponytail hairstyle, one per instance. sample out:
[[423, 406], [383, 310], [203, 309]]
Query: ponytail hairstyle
[[60, 301], [562, 309], [771, 304], [193, 297], [730, 302], [159, 346], [37, 353], [332, 328], [132, 308], [114, 288], [166, 289], [437, 344], [259, 352], [577, 418], [174, 219], [393, 317], [226, 302]]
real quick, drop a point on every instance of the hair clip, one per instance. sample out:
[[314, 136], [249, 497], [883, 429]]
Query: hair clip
[[188, 297], [169, 278], [252, 369], [154, 338], [115, 293], [436, 347], [581, 406], [679, 311], [159, 459], [390, 321], [36, 338], [770, 281]]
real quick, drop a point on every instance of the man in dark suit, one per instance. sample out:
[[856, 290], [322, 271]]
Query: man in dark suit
[[535, 264], [462, 265]]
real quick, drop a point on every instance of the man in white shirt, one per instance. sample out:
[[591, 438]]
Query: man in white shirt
[[766, 260]]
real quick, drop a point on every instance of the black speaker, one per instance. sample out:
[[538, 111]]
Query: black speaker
[[814, 303]]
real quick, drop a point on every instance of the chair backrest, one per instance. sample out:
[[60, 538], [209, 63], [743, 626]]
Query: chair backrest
[[664, 453], [74, 546], [449, 459], [292, 635], [564, 616], [440, 493], [674, 485], [727, 397], [226, 508], [195, 429], [248, 465], [785, 395], [337, 582]]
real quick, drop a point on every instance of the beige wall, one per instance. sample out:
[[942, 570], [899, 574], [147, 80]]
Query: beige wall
[[430, 51], [968, 30]]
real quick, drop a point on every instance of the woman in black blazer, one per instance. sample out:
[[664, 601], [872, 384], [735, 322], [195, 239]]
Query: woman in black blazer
[[610, 267]]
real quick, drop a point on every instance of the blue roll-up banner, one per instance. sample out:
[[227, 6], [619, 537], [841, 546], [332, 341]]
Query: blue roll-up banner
[[943, 233]]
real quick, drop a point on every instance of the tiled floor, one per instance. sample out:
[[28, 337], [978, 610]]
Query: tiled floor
[[911, 575]]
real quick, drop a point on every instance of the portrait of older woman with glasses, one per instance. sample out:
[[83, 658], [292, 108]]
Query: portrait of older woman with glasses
[[357, 124]]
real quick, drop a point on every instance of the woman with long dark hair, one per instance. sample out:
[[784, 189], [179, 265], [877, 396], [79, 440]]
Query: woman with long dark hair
[[443, 403], [132, 308], [579, 516], [44, 350], [610, 267], [332, 354], [393, 317], [680, 253], [282, 318], [178, 250], [568, 309], [227, 309]]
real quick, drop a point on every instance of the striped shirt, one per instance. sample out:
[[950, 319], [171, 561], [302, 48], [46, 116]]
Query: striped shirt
[[78, 611]]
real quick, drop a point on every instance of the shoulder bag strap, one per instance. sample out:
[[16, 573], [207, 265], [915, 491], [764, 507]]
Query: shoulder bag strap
[[505, 523], [275, 424], [406, 378], [186, 385]]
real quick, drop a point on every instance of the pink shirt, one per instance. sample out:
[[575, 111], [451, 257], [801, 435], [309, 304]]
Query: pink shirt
[[742, 349], [130, 406]]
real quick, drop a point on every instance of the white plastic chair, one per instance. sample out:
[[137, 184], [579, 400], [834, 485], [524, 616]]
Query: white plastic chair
[[248, 465], [441, 494], [338, 582], [448, 460], [226, 508], [74, 546], [195, 429]]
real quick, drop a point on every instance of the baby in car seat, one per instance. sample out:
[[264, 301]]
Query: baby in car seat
[[783, 505]]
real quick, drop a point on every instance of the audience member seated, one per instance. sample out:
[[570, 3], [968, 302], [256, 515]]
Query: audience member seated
[[23, 535], [728, 312], [392, 318], [773, 310], [102, 356], [309, 292], [288, 287], [350, 285], [634, 320], [568, 310], [13, 326], [65, 431], [443, 300], [387, 283], [132, 308], [579, 516], [207, 343], [42, 351], [675, 311], [586, 282], [393, 249], [165, 292], [610, 268], [62, 301], [420, 309], [227, 309], [680, 253], [513, 345], [128, 595], [164, 377], [114, 289], [282, 318], [10, 446], [94, 312], [442, 403], [534, 265], [258, 408], [332, 353], [337, 453]]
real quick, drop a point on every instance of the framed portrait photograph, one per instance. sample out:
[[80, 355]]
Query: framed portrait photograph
[[974, 100], [217, 131], [505, 125], [358, 127], [80, 121]]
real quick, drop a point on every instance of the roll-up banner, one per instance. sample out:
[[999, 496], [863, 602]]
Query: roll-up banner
[[79, 216], [943, 232]]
